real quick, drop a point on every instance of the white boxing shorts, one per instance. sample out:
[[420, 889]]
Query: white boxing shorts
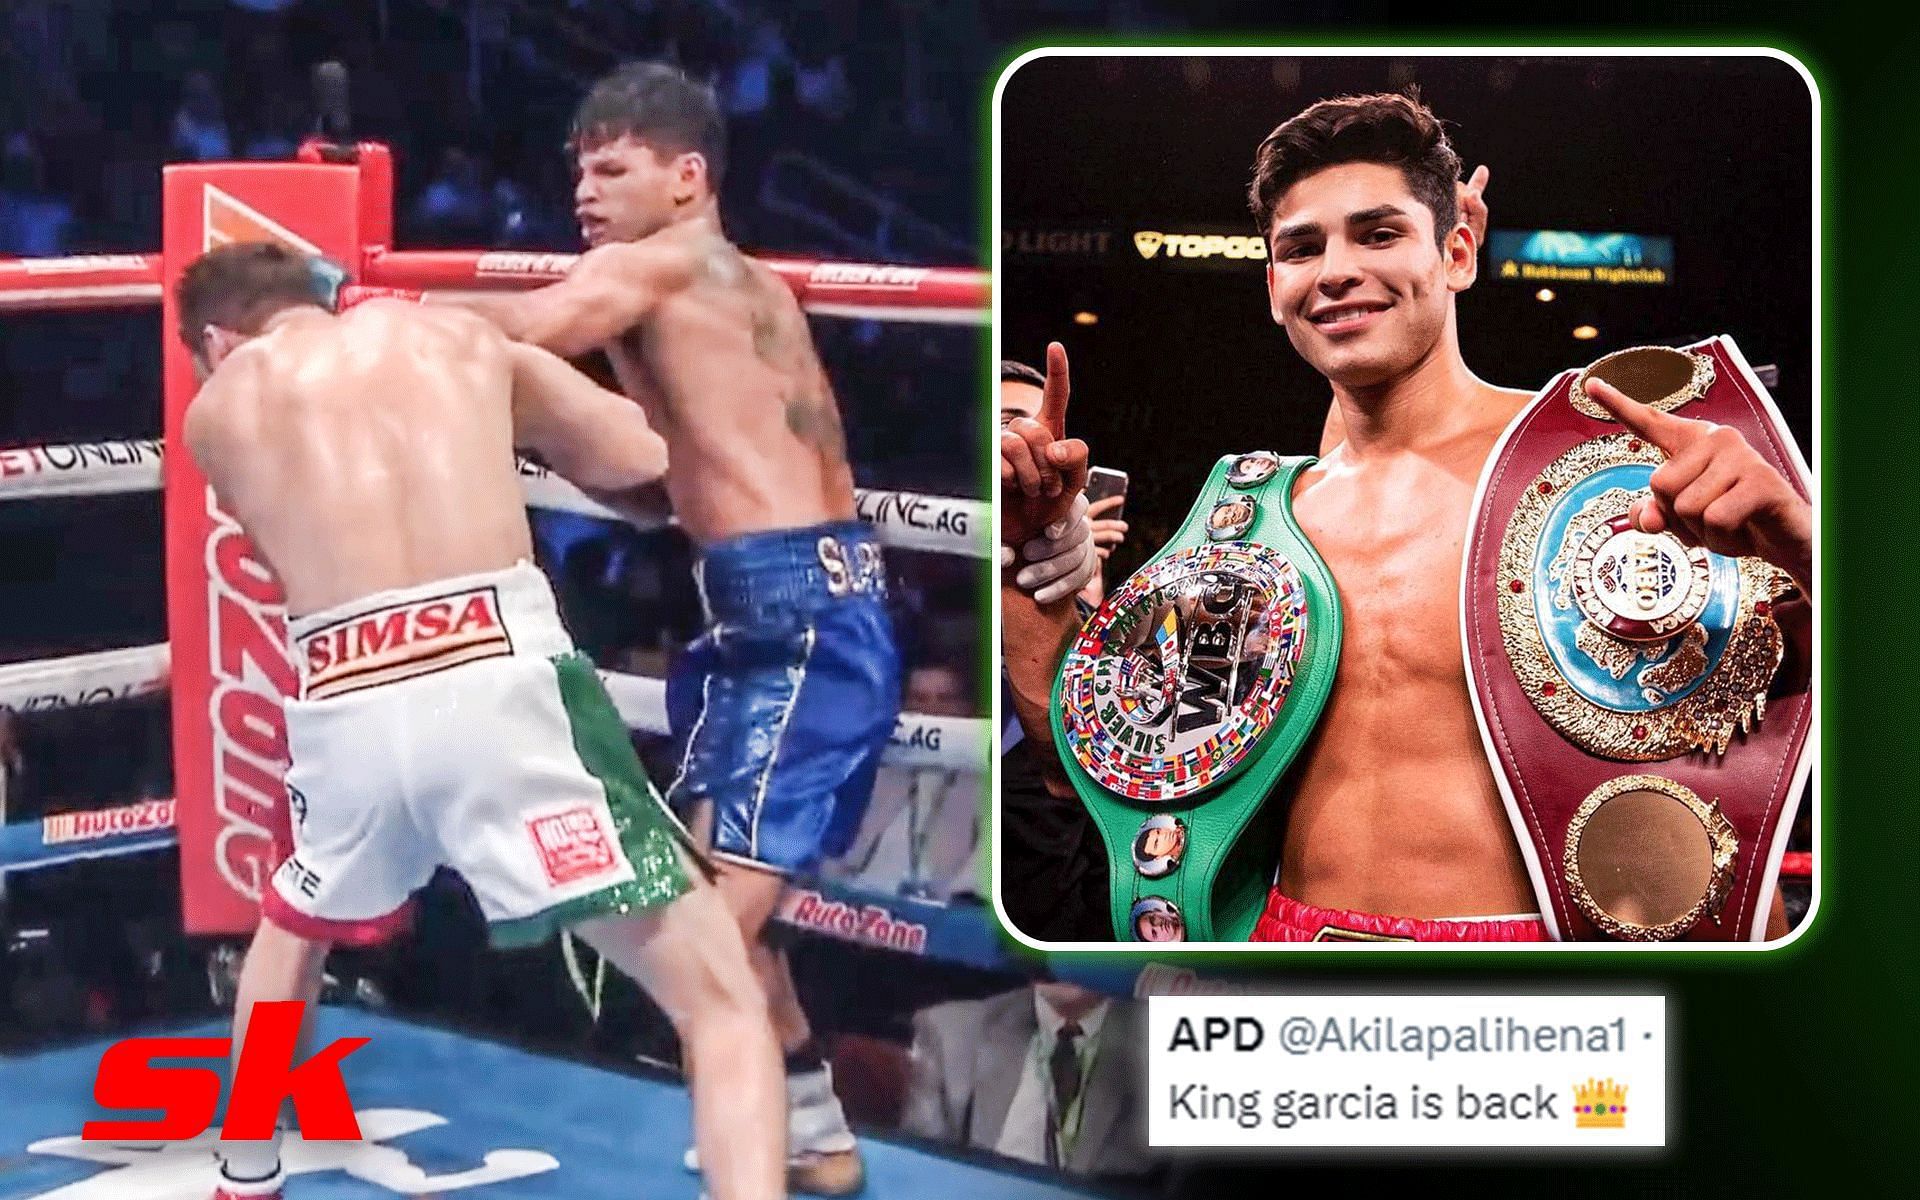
[[453, 723]]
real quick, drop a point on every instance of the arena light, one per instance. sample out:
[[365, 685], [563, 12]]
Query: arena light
[[1083, 317], [1585, 333], [1544, 295]]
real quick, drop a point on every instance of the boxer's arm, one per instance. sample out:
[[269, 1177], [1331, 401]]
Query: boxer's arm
[[609, 291], [598, 440], [196, 430], [1777, 926], [200, 428]]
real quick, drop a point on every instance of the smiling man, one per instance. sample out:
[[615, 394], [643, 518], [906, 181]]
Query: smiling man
[[1396, 826], [1395, 809], [1394, 823]]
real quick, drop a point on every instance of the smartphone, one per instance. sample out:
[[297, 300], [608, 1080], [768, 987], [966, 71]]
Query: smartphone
[[1103, 482]]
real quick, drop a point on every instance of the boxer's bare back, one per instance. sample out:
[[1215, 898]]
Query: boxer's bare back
[[374, 449]]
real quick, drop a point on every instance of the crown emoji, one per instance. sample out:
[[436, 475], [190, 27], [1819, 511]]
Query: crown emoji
[[1599, 1104]]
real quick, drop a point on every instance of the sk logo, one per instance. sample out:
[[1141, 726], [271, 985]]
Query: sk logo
[[186, 1171], [264, 1078], [1147, 243]]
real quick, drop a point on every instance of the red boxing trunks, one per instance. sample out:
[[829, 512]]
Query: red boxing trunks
[[1288, 920]]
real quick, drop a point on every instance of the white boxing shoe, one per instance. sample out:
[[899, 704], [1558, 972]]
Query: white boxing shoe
[[259, 1189], [823, 1157]]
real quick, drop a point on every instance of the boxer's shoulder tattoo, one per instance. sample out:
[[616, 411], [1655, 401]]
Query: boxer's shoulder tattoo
[[767, 342], [773, 337], [814, 417], [780, 340]]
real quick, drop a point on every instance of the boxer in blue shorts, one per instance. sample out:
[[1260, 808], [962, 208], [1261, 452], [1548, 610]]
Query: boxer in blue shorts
[[786, 701]]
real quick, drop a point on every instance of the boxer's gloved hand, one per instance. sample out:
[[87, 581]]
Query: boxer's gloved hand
[[1061, 560], [327, 278]]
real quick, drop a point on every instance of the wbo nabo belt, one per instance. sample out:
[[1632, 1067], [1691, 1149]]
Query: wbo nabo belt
[[1184, 698], [1625, 682]]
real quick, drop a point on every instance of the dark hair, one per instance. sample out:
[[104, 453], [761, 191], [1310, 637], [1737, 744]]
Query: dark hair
[[1384, 128], [1019, 372], [239, 286], [656, 103]]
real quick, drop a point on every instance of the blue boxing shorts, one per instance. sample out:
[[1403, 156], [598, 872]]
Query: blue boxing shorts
[[784, 705]]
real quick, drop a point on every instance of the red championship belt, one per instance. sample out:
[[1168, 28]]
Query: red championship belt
[[1629, 687]]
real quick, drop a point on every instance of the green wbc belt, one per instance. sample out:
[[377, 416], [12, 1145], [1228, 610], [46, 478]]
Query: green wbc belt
[[1184, 698]]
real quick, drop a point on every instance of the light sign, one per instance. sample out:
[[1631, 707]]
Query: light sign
[[1565, 256]]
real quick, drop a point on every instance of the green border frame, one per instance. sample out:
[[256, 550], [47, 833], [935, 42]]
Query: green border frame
[[1564, 955]]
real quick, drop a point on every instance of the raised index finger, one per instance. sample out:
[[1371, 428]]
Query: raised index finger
[[1053, 399], [1670, 433]]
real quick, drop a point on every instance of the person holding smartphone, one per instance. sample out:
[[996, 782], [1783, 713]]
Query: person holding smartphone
[[1106, 496]]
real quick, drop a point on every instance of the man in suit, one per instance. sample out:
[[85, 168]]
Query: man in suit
[[1050, 1074]]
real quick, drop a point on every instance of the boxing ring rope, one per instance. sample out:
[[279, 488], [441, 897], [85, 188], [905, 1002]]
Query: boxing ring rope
[[876, 291], [928, 295], [81, 680], [80, 282], [50, 685], [903, 520]]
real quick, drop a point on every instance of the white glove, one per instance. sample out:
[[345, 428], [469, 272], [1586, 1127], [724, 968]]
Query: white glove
[[1062, 560]]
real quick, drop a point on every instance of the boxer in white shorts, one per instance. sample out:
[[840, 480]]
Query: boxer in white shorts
[[453, 722], [444, 717]]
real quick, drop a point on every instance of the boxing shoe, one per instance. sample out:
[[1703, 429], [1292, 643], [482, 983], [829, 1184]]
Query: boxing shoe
[[262, 1189], [823, 1158]]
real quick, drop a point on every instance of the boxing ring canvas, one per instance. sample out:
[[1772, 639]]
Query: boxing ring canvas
[[443, 1115]]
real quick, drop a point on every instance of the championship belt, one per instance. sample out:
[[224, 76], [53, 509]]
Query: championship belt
[[1624, 681], [1186, 695]]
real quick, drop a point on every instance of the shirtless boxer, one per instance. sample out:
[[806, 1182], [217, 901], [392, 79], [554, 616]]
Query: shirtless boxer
[[786, 702], [444, 716], [1395, 823]]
